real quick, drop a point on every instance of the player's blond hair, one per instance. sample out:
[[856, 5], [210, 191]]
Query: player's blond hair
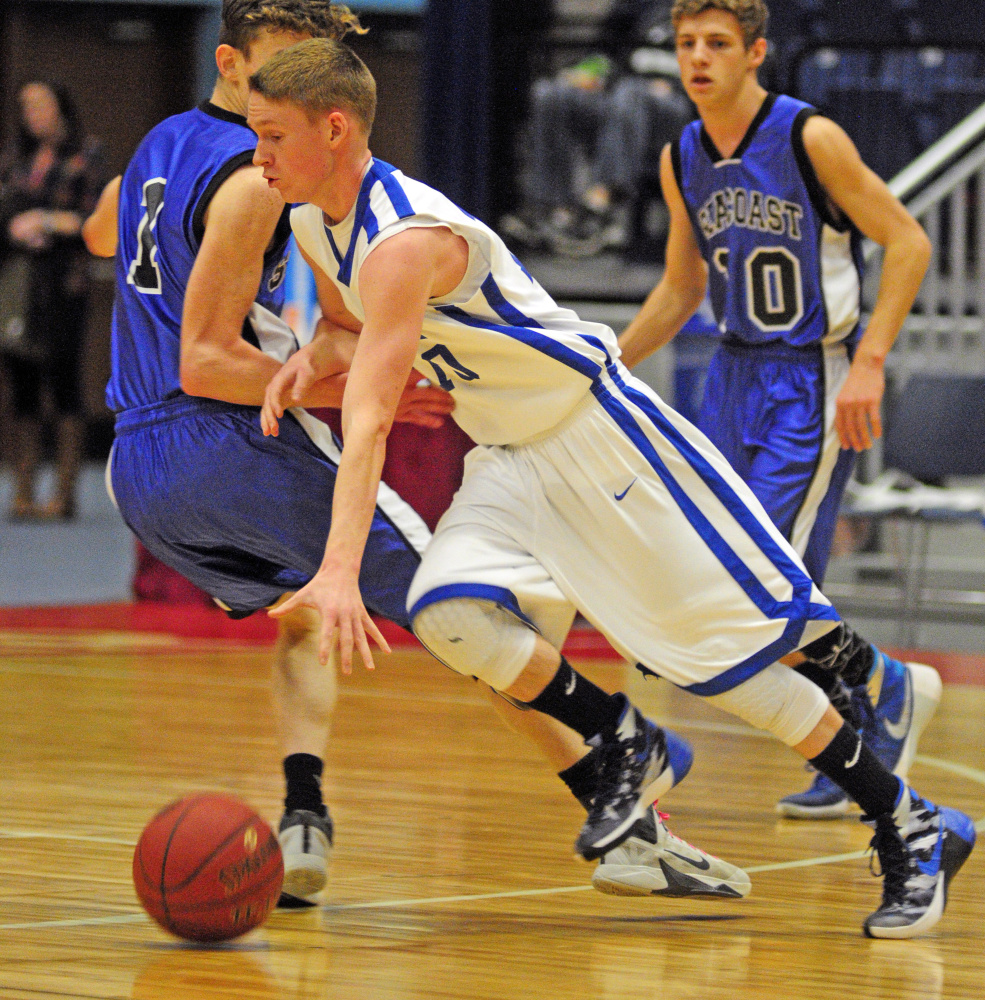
[[244, 20], [752, 15], [319, 75]]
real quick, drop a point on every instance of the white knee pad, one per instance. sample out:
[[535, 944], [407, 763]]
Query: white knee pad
[[476, 637], [779, 700]]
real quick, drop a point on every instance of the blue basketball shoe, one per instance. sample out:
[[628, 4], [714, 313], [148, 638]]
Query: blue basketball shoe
[[921, 847], [908, 697], [639, 763]]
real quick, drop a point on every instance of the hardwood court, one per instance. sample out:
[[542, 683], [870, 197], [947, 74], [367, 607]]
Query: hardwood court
[[453, 875]]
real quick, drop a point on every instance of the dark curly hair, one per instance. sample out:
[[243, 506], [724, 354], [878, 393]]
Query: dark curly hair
[[243, 20]]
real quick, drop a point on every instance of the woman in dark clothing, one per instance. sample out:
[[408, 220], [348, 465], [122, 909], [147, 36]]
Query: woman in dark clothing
[[49, 183]]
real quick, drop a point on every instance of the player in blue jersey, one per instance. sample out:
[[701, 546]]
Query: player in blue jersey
[[583, 482], [200, 244], [769, 202]]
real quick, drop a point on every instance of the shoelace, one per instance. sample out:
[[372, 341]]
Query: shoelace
[[673, 836], [894, 859]]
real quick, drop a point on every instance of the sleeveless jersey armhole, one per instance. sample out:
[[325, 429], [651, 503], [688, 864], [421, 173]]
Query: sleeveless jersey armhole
[[819, 197], [221, 176]]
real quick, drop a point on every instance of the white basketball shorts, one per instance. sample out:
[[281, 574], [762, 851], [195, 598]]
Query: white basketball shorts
[[643, 527]]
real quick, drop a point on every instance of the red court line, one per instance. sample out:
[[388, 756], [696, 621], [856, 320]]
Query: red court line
[[198, 621]]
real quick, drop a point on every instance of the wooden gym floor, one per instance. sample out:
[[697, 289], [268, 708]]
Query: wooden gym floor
[[453, 875]]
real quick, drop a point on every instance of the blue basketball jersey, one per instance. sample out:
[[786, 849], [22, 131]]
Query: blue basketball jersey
[[164, 195], [783, 264]]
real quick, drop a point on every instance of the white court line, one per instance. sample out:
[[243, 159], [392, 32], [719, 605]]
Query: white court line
[[962, 770]]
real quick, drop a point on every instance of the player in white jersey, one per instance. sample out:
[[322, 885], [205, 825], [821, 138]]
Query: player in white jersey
[[582, 479]]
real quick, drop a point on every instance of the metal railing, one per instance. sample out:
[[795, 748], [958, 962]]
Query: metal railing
[[944, 188]]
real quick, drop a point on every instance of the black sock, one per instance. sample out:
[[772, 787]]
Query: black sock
[[843, 652], [855, 769], [303, 774], [578, 703], [582, 778]]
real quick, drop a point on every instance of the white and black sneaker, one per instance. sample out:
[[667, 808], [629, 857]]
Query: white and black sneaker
[[639, 763], [655, 862], [306, 842], [921, 847]]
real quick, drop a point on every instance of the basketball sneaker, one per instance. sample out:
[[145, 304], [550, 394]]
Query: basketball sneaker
[[655, 862], [921, 847], [639, 762], [305, 841], [908, 697]]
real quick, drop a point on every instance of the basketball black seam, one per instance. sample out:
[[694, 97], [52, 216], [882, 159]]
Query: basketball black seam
[[191, 878], [164, 859]]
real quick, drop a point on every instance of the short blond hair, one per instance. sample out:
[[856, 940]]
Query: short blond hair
[[319, 75], [752, 15]]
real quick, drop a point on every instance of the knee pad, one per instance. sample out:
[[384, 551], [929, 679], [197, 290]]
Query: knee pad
[[476, 637], [779, 700]]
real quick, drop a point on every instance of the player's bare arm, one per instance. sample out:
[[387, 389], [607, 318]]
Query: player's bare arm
[[215, 359], [396, 281], [868, 202], [311, 377], [99, 230], [682, 287]]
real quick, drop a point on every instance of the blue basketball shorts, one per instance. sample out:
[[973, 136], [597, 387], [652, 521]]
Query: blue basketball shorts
[[770, 410], [243, 516]]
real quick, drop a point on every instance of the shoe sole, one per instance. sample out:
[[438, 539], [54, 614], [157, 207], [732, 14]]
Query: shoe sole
[[647, 880], [303, 881], [836, 810], [927, 691]]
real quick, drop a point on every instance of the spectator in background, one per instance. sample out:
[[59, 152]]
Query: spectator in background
[[595, 132], [49, 181]]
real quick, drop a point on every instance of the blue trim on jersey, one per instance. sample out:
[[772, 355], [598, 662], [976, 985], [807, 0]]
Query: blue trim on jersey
[[334, 246], [479, 591], [365, 218], [396, 194], [504, 309], [519, 264], [553, 349]]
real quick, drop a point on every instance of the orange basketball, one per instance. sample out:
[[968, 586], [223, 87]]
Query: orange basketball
[[208, 868]]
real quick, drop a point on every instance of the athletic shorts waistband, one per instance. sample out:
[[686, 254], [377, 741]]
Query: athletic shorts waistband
[[128, 421], [780, 350]]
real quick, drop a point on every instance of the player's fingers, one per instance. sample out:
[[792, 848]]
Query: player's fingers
[[362, 644], [841, 426], [289, 605], [875, 420], [345, 645], [327, 642], [375, 633]]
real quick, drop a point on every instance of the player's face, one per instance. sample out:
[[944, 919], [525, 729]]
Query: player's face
[[713, 57], [290, 148]]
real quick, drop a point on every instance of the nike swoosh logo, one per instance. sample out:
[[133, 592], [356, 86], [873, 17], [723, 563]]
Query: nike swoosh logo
[[901, 727], [704, 864], [858, 753], [569, 688], [619, 496]]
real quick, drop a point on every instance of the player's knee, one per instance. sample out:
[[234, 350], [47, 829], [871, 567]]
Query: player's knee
[[477, 638], [778, 700]]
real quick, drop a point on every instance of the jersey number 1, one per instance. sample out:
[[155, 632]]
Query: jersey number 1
[[144, 273]]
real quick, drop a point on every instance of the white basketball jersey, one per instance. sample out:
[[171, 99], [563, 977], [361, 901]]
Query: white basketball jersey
[[516, 361]]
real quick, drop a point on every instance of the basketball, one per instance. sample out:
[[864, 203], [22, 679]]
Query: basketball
[[208, 868]]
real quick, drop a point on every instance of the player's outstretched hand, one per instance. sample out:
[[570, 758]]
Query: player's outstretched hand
[[858, 417], [287, 388], [423, 405], [345, 622]]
